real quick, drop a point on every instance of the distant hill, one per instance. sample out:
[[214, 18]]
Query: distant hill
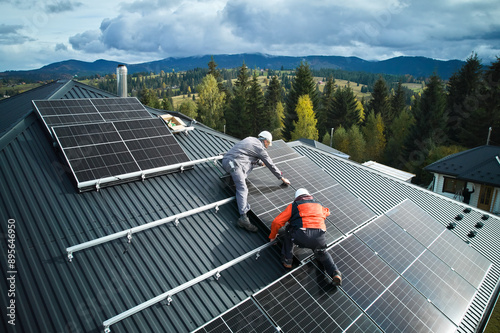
[[415, 66]]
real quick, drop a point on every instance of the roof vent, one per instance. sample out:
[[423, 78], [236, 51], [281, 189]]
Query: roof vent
[[479, 224], [121, 79], [485, 217], [467, 210], [451, 225], [472, 233], [459, 217]]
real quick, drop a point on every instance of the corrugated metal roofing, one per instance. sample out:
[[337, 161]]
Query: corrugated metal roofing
[[101, 282]]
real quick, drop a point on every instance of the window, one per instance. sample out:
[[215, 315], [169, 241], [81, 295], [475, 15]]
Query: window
[[453, 185]]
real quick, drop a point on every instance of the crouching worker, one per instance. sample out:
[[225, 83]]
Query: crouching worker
[[306, 229]]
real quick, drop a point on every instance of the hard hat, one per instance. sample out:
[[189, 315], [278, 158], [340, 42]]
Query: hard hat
[[301, 191], [267, 136]]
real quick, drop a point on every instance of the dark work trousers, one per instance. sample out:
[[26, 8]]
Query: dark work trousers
[[313, 239]]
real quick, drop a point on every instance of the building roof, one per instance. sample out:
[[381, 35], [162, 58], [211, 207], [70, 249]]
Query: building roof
[[399, 174], [49, 214], [479, 165]]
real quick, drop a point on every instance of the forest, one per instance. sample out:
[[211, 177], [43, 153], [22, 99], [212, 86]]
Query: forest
[[390, 124]]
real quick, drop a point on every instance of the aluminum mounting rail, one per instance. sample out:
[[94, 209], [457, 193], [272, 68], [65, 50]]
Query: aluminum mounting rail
[[128, 233], [142, 174], [168, 295]]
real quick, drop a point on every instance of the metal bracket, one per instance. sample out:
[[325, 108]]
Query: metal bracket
[[107, 329], [97, 186], [257, 255], [217, 275], [70, 256], [217, 208], [143, 176], [182, 168], [176, 222], [129, 236], [169, 300]]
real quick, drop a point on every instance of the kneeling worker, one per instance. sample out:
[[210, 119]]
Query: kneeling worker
[[306, 229], [239, 161]]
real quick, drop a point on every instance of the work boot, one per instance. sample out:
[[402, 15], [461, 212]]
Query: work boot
[[337, 278], [244, 222], [286, 262]]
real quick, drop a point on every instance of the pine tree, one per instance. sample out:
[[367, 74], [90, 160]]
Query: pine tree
[[374, 136], [256, 115], [463, 102], [305, 126], [302, 84], [490, 97], [399, 130], [324, 124], [210, 103], [429, 129], [236, 113], [343, 108], [380, 100]]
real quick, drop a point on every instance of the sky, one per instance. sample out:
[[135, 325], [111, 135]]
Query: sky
[[36, 33]]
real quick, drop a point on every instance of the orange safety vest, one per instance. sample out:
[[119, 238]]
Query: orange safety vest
[[308, 214]]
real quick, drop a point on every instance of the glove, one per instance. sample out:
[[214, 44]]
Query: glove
[[284, 180]]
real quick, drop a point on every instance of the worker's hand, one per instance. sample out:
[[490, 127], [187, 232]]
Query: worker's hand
[[285, 181], [272, 240]]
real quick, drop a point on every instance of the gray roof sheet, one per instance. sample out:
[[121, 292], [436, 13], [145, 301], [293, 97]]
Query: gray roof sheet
[[478, 165]]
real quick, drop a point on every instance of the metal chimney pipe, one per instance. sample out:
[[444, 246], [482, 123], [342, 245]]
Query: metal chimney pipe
[[121, 76]]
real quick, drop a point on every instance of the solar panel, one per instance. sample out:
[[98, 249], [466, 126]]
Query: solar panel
[[268, 196], [466, 261], [428, 274], [303, 301], [114, 149], [92, 110], [383, 294], [280, 152], [246, 317]]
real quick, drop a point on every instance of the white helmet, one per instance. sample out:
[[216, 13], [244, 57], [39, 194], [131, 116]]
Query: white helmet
[[266, 136], [301, 191]]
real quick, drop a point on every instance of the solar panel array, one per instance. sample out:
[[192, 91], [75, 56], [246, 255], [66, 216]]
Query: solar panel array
[[402, 271], [110, 138]]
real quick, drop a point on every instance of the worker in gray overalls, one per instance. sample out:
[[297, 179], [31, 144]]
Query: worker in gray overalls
[[239, 161]]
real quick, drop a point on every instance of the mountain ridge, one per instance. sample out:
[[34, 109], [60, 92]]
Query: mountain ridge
[[403, 65]]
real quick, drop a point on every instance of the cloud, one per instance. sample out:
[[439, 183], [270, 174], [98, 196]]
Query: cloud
[[61, 47], [62, 6], [10, 35]]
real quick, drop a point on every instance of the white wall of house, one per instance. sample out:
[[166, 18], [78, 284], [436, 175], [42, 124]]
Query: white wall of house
[[438, 188]]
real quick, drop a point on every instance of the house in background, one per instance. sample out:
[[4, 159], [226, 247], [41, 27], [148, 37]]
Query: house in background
[[198, 271], [476, 169]]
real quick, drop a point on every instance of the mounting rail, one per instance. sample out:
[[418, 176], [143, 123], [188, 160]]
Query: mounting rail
[[168, 295], [128, 233]]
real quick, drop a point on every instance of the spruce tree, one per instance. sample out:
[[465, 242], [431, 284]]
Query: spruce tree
[[256, 115], [490, 102], [324, 124], [380, 100], [343, 109], [302, 84], [463, 101], [429, 129], [274, 107], [236, 113]]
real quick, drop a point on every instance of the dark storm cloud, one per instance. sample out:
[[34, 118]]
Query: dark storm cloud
[[62, 6], [10, 35]]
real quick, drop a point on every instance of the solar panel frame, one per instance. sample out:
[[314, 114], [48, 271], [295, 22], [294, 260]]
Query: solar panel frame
[[421, 268], [117, 149], [470, 264]]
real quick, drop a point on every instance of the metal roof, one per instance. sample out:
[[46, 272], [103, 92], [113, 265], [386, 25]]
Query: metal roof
[[479, 165], [53, 294]]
